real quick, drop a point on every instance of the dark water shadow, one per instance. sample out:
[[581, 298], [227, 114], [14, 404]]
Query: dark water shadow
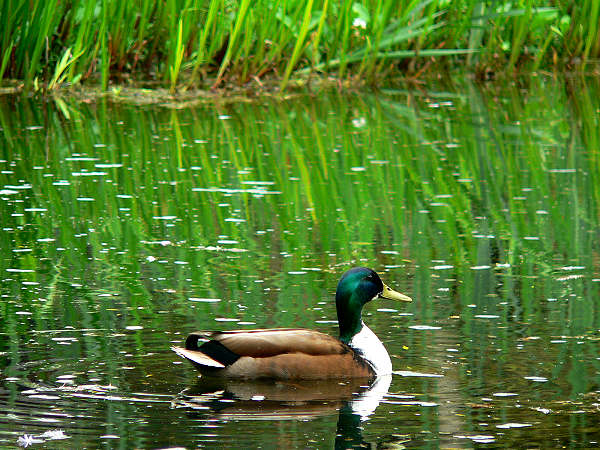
[[353, 400]]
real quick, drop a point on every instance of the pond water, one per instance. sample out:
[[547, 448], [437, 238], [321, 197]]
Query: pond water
[[126, 227]]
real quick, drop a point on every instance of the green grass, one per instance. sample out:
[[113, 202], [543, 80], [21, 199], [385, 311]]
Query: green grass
[[181, 44]]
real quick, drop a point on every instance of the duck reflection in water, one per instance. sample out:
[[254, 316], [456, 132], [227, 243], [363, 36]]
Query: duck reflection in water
[[354, 400]]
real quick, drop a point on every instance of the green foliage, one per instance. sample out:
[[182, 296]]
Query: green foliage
[[178, 41]]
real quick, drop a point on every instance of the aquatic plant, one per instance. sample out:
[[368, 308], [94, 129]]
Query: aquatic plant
[[181, 44]]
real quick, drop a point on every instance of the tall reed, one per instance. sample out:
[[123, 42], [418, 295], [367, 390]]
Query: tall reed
[[179, 42]]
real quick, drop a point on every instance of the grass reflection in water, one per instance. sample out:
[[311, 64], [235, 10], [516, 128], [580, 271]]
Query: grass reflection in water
[[126, 227]]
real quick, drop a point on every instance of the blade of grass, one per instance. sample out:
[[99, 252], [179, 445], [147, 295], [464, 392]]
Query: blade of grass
[[477, 29], [176, 67], [207, 29], [299, 45], [105, 61], [319, 33], [519, 33], [4, 62], [240, 19], [592, 28], [47, 17]]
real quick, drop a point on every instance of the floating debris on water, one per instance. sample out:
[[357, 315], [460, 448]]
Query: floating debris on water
[[259, 191], [569, 277], [513, 425], [479, 438], [410, 373], [29, 439], [259, 183], [538, 379]]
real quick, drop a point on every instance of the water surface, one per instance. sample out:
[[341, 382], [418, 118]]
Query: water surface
[[126, 227]]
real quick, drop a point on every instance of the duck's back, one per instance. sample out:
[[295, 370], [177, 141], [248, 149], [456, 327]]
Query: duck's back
[[285, 353]]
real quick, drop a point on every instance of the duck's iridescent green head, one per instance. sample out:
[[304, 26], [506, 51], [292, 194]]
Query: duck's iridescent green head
[[357, 287]]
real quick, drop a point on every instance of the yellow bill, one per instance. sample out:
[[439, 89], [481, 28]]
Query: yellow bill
[[393, 295]]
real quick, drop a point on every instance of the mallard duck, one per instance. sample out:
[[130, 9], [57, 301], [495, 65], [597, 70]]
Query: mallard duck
[[295, 353]]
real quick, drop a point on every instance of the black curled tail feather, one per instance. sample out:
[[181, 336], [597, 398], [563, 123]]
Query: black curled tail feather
[[213, 349], [193, 340]]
